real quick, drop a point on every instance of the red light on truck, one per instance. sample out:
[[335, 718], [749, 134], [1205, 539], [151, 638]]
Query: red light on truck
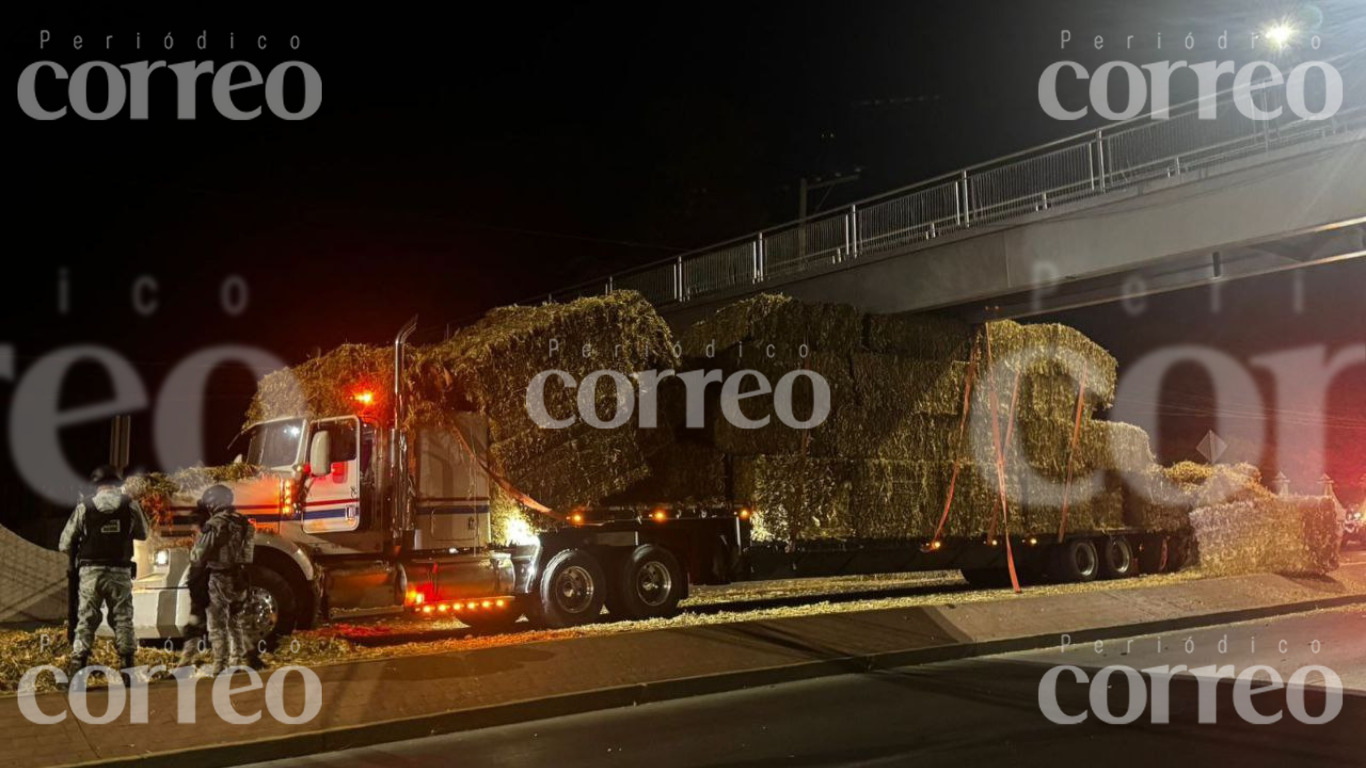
[[472, 606], [501, 603], [365, 397]]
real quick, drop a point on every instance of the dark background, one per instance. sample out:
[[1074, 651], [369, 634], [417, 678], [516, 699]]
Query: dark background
[[470, 159]]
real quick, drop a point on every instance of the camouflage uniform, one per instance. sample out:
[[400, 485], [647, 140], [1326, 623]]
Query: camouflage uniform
[[103, 582], [225, 550], [196, 629]]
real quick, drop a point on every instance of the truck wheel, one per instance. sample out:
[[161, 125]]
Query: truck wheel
[[271, 607], [572, 590], [1117, 559], [649, 584], [1076, 560]]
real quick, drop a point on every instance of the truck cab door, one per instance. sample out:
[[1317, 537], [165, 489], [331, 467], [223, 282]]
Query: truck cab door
[[333, 502]]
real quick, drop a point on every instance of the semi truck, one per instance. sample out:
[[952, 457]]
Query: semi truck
[[357, 512]]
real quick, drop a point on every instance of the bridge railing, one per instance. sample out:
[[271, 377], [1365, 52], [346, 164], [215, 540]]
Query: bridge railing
[[1195, 135]]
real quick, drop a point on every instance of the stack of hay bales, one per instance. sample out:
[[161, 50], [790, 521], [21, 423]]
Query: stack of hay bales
[[486, 368], [1293, 535], [1162, 498], [880, 465], [1242, 527]]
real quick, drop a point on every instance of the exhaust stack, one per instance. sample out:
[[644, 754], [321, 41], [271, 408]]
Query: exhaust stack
[[398, 451]]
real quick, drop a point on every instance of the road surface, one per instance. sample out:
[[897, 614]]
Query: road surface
[[968, 713]]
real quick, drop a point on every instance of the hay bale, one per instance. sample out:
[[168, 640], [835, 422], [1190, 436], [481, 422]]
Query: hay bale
[[775, 437], [582, 471], [510, 522], [1297, 535], [779, 320], [1206, 485], [1163, 498], [927, 336], [681, 473], [155, 492], [795, 498], [486, 368], [894, 385], [1052, 349], [324, 385]]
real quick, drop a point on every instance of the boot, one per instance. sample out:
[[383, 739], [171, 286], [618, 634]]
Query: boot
[[188, 653], [127, 661], [78, 662]]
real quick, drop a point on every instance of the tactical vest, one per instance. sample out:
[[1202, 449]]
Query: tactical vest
[[236, 543], [107, 537]]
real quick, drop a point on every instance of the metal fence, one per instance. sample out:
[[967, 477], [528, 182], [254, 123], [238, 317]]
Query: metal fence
[[1193, 136]]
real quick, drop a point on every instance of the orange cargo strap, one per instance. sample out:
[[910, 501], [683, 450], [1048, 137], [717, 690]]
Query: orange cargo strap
[[1000, 467], [1010, 434], [1071, 454], [504, 483], [957, 459]]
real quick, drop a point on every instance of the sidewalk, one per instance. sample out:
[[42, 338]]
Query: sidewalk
[[395, 699]]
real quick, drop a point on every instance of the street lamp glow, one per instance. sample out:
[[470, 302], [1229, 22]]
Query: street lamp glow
[[1279, 34]]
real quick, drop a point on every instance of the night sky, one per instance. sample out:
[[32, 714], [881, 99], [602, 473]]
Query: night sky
[[467, 160]]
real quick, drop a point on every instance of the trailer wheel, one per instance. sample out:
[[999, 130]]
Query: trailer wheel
[[1180, 551], [1076, 560], [1152, 554], [649, 584], [572, 590], [1117, 560]]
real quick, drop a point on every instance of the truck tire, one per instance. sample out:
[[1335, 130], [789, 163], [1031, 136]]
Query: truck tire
[[1117, 560], [1076, 560], [649, 584], [572, 590], [272, 606]]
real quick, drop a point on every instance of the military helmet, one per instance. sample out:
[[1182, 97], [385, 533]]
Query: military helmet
[[105, 475], [216, 497]]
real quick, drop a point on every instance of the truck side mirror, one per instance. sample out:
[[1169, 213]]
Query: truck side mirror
[[320, 454]]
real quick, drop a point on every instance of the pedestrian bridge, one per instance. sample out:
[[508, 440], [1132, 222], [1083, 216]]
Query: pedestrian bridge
[[1138, 207]]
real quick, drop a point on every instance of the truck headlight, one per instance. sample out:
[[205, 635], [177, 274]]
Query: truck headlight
[[162, 558]]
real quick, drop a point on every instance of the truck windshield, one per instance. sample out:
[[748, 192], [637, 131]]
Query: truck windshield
[[275, 444]]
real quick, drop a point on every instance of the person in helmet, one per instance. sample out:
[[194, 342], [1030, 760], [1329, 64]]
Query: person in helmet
[[100, 535], [224, 550], [196, 629]]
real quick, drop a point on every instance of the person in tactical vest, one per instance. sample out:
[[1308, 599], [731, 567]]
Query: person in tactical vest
[[196, 629], [224, 550], [100, 536]]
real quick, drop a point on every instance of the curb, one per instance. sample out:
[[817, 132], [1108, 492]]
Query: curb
[[404, 729]]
